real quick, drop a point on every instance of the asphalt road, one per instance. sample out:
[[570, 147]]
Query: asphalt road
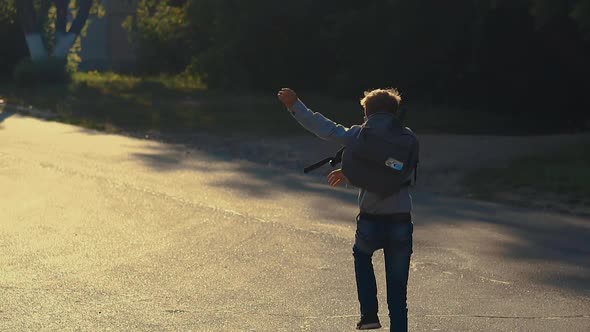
[[101, 232]]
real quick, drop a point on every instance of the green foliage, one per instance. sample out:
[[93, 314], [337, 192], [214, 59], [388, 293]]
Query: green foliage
[[49, 34], [49, 71], [48, 30], [510, 56], [7, 11], [121, 82], [11, 37], [159, 33], [181, 103], [526, 59]]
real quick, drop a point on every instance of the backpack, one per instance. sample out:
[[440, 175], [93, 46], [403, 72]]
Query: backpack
[[381, 160]]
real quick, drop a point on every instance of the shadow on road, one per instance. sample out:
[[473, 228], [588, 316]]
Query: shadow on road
[[255, 179], [560, 242]]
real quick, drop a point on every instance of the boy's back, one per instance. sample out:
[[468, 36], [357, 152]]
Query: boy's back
[[383, 223], [329, 130]]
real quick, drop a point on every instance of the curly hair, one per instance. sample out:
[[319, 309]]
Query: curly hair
[[381, 100]]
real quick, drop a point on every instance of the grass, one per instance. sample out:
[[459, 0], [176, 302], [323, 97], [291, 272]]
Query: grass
[[165, 103], [565, 174], [113, 102], [182, 104]]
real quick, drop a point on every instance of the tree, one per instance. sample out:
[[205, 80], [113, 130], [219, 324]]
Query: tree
[[10, 34], [33, 16], [158, 31]]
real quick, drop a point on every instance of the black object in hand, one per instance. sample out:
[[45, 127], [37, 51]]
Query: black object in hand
[[334, 161]]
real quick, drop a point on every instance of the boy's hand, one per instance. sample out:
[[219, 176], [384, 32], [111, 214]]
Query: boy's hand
[[287, 97], [336, 177]]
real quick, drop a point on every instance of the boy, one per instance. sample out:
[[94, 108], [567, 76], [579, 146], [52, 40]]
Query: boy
[[383, 223]]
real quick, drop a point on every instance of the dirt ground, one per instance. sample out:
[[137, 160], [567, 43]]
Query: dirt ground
[[444, 159]]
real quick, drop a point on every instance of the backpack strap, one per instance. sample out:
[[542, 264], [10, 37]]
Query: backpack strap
[[334, 161], [316, 165]]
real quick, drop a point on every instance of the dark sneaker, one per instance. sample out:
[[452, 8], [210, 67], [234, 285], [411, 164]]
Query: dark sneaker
[[368, 322]]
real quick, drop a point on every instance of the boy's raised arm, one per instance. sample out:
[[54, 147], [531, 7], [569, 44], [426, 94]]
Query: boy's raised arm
[[315, 122]]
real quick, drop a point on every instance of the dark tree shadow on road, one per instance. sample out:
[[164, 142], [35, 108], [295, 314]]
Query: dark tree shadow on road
[[260, 180], [542, 237]]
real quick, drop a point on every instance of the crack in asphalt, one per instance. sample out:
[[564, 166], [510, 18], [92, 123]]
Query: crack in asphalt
[[557, 317], [552, 317], [509, 317]]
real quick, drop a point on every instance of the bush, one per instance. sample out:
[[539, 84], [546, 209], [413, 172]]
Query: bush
[[459, 53], [30, 73], [14, 47], [158, 31], [524, 59]]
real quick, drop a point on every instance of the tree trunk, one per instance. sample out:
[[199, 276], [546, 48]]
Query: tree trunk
[[30, 24], [65, 40], [64, 43], [36, 46]]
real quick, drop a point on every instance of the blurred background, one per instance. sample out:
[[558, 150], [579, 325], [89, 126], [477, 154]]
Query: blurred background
[[520, 66]]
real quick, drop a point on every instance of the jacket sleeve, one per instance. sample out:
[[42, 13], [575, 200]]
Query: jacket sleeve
[[323, 127]]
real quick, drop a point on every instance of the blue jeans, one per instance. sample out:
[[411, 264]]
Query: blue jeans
[[396, 241]]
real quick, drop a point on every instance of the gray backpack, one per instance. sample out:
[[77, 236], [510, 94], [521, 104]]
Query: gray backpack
[[381, 160]]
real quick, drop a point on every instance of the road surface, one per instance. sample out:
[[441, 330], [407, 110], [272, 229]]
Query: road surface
[[101, 232]]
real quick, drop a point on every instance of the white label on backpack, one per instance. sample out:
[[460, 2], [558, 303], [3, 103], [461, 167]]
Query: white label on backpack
[[395, 164]]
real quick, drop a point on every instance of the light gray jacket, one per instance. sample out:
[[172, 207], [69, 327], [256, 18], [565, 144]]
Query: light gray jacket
[[327, 129]]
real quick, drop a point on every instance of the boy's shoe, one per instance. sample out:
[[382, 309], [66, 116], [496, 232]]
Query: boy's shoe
[[368, 322]]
